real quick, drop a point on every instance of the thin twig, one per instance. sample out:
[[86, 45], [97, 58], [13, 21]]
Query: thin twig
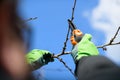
[[73, 10], [114, 36], [60, 59], [111, 41], [60, 54], [31, 19], [72, 17], [108, 45], [65, 43]]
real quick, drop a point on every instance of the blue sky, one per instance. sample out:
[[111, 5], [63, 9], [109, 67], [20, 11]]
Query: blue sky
[[50, 28]]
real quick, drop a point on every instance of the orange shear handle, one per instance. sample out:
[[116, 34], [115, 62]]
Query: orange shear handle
[[76, 35]]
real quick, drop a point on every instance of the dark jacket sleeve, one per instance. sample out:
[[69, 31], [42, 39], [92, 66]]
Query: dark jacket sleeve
[[97, 68]]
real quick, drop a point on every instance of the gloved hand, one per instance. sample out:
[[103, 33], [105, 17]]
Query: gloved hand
[[84, 48], [37, 58]]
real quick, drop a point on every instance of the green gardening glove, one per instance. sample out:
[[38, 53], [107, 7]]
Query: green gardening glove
[[84, 48], [37, 58]]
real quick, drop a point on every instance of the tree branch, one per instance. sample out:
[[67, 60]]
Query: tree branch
[[111, 41], [108, 45], [60, 54], [60, 59], [73, 10], [30, 19], [72, 18], [65, 43]]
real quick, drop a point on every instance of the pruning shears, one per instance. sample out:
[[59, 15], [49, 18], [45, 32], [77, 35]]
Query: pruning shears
[[76, 34]]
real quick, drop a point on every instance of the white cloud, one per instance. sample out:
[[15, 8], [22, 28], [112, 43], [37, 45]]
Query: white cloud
[[106, 17]]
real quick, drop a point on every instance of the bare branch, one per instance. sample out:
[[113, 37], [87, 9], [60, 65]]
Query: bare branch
[[111, 41], [60, 54], [108, 45], [72, 17], [73, 10], [30, 19], [114, 36], [65, 43], [60, 59]]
